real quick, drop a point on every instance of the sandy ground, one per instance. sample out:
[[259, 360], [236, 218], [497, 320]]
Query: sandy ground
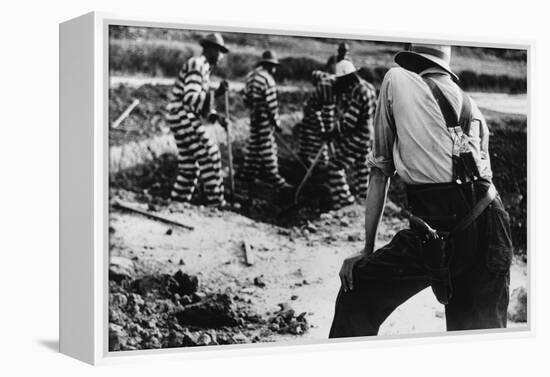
[[298, 267]]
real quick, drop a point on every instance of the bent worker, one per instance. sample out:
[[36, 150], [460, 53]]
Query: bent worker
[[260, 96], [199, 159], [356, 102], [433, 135], [318, 118]]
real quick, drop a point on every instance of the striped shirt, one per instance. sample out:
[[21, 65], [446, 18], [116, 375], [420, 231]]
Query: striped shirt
[[318, 75], [191, 87], [357, 114], [323, 100], [411, 137], [260, 95]]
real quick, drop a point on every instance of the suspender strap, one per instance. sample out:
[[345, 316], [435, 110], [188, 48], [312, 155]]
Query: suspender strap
[[465, 120], [451, 118], [476, 211], [464, 165], [447, 110]]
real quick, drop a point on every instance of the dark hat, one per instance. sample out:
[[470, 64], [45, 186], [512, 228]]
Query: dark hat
[[269, 57], [343, 47], [419, 54], [215, 39]]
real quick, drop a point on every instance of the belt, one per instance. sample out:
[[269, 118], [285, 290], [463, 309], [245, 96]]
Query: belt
[[464, 223], [478, 209]]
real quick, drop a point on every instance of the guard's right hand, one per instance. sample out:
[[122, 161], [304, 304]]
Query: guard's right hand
[[346, 271]]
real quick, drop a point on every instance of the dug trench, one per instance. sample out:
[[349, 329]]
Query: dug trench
[[175, 288]]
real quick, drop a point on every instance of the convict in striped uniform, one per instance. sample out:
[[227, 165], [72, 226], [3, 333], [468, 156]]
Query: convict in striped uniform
[[356, 102], [260, 95], [199, 159], [318, 118]]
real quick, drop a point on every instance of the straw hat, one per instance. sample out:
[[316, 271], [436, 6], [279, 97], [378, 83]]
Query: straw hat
[[215, 39], [418, 54], [343, 68], [269, 57]]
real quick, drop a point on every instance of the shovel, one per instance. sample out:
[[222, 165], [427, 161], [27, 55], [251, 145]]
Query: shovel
[[289, 150]]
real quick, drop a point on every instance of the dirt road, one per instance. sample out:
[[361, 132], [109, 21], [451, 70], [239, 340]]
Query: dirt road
[[501, 102]]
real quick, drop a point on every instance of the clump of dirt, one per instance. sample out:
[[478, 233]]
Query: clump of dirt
[[173, 310], [286, 322]]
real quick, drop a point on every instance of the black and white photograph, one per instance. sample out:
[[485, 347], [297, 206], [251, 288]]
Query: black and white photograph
[[290, 189]]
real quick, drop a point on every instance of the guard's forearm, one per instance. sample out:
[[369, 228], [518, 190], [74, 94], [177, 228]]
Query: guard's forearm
[[376, 199]]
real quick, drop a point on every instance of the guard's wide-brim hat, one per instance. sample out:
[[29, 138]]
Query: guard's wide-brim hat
[[269, 57], [215, 39], [420, 54]]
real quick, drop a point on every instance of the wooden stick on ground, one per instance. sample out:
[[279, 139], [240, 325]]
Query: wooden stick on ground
[[248, 254], [152, 216], [125, 114]]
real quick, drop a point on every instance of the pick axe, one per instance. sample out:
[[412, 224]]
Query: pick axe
[[290, 150], [310, 170]]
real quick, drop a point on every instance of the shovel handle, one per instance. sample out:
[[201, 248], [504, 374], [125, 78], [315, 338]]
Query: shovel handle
[[308, 172]]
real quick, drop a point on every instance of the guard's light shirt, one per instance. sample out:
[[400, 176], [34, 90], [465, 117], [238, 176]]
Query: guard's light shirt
[[410, 134]]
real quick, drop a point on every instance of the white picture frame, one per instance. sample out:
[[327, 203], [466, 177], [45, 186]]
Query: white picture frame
[[84, 164]]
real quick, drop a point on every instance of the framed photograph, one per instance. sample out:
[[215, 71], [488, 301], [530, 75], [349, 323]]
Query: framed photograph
[[233, 189]]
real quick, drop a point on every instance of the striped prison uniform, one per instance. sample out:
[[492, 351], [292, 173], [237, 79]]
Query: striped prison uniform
[[318, 118], [260, 161], [199, 159], [356, 112]]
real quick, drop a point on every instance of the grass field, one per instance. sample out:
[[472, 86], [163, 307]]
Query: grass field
[[160, 53]]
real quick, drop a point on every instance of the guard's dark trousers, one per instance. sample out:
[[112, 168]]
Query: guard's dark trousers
[[480, 268]]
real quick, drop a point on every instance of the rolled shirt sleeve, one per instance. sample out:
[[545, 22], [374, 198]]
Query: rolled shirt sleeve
[[381, 156]]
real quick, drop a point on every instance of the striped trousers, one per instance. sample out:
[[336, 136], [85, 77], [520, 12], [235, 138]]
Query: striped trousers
[[348, 175], [309, 137], [199, 160], [260, 161]]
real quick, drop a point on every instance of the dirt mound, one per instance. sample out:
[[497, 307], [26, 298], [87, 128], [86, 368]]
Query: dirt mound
[[170, 310]]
